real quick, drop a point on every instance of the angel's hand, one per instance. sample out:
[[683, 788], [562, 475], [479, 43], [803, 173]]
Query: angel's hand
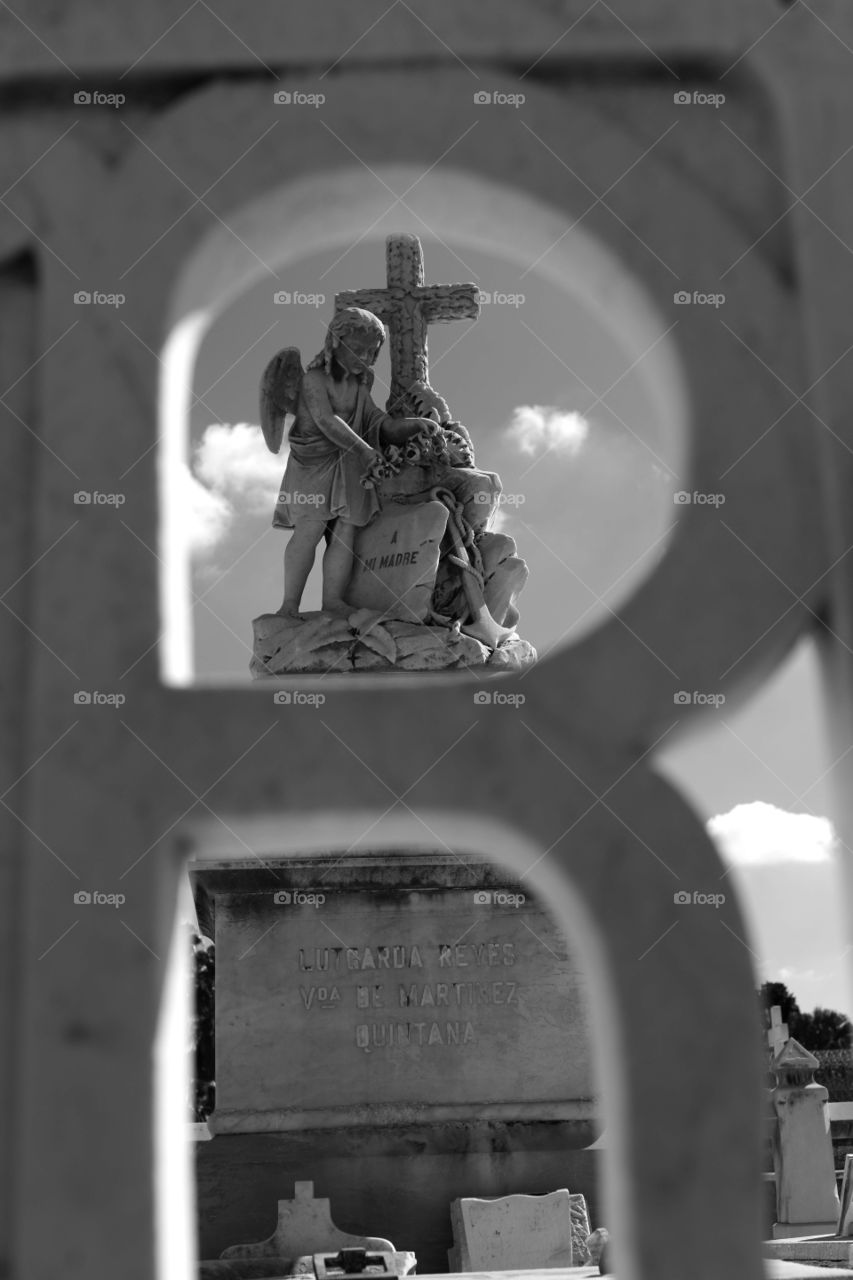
[[399, 430]]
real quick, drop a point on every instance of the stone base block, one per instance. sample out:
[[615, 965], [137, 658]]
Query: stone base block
[[802, 1230]]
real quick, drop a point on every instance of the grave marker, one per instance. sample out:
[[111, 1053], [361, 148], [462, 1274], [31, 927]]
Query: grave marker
[[386, 989], [778, 1033]]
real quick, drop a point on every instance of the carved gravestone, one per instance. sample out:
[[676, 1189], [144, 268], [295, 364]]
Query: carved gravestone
[[806, 1194], [515, 1232], [305, 1227], [382, 989]]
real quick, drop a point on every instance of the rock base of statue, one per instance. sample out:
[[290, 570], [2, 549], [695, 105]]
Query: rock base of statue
[[368, 641]]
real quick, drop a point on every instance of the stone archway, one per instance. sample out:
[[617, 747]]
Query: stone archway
[[597, 709]]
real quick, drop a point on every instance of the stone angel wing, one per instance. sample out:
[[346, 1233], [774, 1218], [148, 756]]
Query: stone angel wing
[[279, 394]]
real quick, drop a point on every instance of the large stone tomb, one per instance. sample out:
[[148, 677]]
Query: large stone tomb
[[382, 1007]]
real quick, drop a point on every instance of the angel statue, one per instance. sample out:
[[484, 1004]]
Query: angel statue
[[337, 433], [358, 477]]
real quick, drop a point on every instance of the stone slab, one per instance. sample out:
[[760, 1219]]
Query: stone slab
[[773, 1270], [845, 1215], [812, 1249], [390, 988], [396, 561], [802, 1230], [518, 1230]]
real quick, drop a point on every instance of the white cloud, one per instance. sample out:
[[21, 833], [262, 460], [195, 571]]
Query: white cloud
[[538, 428], [759, 834], [232, 473], [208, 514], [235, 461]]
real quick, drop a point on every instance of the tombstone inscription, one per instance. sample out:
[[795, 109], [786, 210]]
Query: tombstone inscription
[[390, 989]]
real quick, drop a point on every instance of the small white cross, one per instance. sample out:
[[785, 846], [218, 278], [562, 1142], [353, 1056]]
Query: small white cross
[[778, 1033]]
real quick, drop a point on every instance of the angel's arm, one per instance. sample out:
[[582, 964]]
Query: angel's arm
[[333, 427], [382, 430]]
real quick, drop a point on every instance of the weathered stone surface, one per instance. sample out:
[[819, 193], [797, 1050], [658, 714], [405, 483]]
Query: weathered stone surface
[[596, 1245], [305, 1226], [368, 641], [513, 655], [396, 560], [96, 792], [513, 1232], [580, 1230], [802, 1146], [317, 642], [386, 988]]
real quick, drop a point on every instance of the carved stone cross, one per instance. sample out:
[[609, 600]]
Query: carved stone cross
[[777, 1036], [408, 306]]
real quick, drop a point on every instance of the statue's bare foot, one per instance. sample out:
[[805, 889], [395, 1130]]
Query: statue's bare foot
[[289, 610], [337, 608], [484, 628]]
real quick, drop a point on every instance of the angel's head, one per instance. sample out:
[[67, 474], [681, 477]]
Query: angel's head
[[353, 341]]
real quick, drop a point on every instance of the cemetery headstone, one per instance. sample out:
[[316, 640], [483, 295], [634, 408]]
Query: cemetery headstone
[[511, 1233], [411, 1013], [778, 1033], [385, 988], [806, 1195], [305, 1227]]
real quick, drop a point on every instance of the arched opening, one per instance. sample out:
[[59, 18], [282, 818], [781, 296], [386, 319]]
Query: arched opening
[[430, 1022], [585, 347]]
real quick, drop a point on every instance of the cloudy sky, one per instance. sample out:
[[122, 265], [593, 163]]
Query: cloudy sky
[[589, 485]]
